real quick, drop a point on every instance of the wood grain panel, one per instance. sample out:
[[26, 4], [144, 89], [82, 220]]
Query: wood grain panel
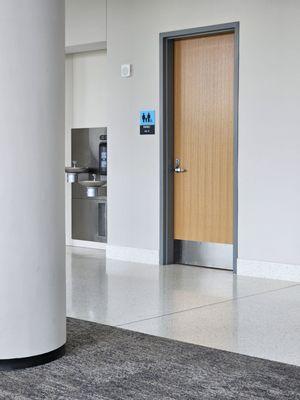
[[203, 138]]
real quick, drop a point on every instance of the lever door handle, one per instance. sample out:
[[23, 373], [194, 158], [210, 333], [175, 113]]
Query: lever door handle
[[178, 169]]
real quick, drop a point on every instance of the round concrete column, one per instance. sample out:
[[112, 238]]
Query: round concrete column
[[32, 254]]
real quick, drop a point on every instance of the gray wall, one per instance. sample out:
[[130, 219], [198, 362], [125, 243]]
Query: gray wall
[[269, 190]]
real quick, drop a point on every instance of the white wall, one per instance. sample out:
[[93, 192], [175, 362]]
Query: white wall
[[269, 120], [86, 105], [85, 21], [86, 77], [32, 252], [90, 89], [68, 127]]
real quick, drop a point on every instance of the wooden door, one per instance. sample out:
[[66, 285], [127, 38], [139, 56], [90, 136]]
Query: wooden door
[[203, 138]]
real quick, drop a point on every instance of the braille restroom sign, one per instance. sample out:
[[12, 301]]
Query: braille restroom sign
[[147, 122]]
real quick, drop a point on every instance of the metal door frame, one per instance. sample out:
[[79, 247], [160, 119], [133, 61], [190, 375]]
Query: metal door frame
[[166, 248]]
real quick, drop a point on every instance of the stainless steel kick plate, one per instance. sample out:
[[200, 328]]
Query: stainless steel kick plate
[[203, 254]]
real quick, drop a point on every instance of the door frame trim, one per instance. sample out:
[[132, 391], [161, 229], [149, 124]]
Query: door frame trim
[[166, 40]]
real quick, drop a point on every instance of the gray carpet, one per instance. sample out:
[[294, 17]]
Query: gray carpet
[[110, 363]]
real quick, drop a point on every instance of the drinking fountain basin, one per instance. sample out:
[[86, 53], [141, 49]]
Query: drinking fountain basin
[[92, 183], [92, 186], [72, 172], [76, 170]]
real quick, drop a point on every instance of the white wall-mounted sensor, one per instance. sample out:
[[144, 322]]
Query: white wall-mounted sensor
[[126, 70]]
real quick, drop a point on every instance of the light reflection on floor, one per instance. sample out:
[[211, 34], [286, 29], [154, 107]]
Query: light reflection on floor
[[214, 308]]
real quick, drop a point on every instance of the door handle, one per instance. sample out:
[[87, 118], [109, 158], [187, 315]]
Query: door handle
[[177, 168]]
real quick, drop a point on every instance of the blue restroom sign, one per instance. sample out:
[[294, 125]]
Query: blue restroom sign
[[147, 122]]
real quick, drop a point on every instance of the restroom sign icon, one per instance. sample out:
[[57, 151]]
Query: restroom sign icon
[[147, 122]]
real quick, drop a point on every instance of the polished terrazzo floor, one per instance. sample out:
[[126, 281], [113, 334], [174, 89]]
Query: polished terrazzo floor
[[213, 308]]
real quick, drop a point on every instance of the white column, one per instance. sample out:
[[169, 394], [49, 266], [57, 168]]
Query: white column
[[32, 258]]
